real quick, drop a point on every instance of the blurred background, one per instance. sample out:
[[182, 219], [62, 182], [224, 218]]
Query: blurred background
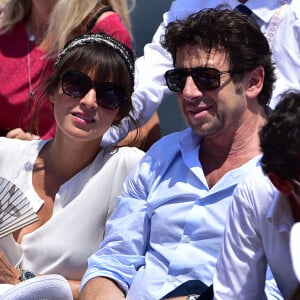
[[145, 19]]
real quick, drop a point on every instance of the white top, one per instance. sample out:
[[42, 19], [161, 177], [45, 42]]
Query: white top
[[294, 247], [150, 85], [81, 208], [257, 233]]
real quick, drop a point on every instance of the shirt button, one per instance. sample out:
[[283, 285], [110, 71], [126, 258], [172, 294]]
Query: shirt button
[[187, 240], [173, 279]]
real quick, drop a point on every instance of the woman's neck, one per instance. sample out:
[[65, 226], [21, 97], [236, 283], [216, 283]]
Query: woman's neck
[[66, 159], [38, 20]]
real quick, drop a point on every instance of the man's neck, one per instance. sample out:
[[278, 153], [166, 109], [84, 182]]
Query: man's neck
[[231, 149]]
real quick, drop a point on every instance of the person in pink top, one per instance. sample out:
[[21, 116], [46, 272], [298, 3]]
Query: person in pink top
[[31, 35]]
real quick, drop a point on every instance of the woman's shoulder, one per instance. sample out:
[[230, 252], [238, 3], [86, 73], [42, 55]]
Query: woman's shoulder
[[14, 146]]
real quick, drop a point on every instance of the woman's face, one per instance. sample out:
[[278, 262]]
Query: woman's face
[[84, 109]]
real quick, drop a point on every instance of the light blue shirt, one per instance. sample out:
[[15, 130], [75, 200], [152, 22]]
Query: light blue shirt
[[168, 225]]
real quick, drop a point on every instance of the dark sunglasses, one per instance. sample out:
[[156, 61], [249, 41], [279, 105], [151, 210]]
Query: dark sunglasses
[[206, 79], [77, 84]]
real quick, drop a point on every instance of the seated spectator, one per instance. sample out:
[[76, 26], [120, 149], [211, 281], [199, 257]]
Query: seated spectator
[[168, 225], [70, 181], [265, 207], [31, 35], [278, 20]]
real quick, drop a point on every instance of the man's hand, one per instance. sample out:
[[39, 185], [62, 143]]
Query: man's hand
[[19, 133]]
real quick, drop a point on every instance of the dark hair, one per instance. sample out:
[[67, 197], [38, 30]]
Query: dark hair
[[98, 54], [224, 28], [280, 138]]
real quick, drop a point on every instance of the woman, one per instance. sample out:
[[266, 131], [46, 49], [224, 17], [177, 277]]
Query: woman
[[32, 33], [71, 181]]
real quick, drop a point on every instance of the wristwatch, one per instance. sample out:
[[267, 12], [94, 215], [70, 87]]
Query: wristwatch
[[192, 297], [25, 275]]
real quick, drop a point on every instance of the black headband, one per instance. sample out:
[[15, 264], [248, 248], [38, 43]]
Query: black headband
[[99, 38]]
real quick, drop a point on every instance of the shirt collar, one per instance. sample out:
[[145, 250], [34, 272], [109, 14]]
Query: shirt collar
[[264, 10]]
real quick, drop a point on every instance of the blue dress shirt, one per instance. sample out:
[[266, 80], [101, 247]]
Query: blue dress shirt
[[168, 225]]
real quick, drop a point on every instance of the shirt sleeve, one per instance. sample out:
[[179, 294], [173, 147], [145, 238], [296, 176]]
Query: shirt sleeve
[[241, 267], [122, 251], [150, 86]]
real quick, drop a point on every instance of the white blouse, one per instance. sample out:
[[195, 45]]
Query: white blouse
[[82, 205]]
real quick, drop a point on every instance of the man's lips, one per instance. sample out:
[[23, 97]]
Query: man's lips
[[197, 110]]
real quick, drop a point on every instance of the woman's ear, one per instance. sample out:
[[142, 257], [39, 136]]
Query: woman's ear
[[255, 82], [283, 185], [118, 116]]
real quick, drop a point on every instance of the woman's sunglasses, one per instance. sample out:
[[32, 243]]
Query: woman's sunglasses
[[77, 84], [206, 79]]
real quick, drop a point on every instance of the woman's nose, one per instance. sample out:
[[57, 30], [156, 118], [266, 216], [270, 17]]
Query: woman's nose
[[89, 99]]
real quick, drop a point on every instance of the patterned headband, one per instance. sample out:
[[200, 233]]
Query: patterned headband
[[99, 38]]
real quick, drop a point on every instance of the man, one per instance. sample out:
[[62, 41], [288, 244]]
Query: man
[[263, 211], [278, 20], [168, 225]]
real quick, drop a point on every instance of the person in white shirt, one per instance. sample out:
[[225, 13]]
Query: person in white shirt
[[294, 245], [279, 20], [265, 206], [71, 181]]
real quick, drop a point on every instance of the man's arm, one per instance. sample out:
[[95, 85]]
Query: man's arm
[[150, 86], [101, 288]]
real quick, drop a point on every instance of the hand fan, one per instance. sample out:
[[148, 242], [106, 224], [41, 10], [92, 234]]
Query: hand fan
[[15, 209]]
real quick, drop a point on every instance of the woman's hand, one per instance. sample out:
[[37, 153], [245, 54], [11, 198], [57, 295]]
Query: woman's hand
[[19, 133], [8, 273]]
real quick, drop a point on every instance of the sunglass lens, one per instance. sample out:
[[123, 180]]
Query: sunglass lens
[[175, 80], [76, 84], [109, 96], [206, 78]]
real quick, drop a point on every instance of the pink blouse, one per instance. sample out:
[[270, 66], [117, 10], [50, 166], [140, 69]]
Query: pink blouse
[[22, 62]]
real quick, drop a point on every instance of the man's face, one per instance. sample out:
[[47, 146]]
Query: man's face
[[210, 112]]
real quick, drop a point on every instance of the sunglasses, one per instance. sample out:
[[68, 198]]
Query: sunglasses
[[206, 79], [77, 84]]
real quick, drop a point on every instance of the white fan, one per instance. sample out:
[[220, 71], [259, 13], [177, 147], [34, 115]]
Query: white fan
[[15, 209]]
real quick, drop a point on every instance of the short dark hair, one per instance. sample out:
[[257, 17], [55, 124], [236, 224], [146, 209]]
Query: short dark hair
[[280, 138], [238, 34], [102, 59]]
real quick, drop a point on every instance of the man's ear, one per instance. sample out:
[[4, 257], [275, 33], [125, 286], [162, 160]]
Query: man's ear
[[255, 82], [283, 185]]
